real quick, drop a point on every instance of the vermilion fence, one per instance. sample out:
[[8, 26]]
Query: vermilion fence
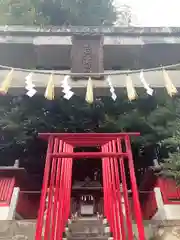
[[148, 204], [6, 190], [170, 191], [28, 204], [147, 195]]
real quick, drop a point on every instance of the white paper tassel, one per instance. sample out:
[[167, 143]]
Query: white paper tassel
[[66, 88], [30, 87], [149, 90], [112, 90]]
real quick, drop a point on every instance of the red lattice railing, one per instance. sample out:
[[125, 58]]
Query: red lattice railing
[[6, 190], [170, 191], [147, 195], [148, 204], [28, 204]]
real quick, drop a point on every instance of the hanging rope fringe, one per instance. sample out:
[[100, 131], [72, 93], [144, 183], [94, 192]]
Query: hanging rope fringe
[[92, 74], [131, 92], [30, 87], [66, 88], [171, 89], [49, 93], [89, 92], [6, 83], [112, 90], [149, 90]]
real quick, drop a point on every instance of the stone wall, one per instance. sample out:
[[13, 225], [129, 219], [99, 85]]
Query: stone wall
[[25, 230], [162, 230], [17, 230], [166, 230]]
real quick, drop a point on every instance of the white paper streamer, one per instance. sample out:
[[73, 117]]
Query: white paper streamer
[[112, 90], [149, 90], [30, 87], [66, 88]]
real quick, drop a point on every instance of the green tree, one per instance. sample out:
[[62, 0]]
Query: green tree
[[22, 118], [57, 12], [19, 12], [171, 164]]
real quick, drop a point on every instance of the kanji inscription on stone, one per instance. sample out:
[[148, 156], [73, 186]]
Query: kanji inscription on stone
[[87, 54]]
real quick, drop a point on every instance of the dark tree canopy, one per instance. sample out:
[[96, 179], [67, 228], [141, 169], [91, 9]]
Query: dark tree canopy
[[22, 118]]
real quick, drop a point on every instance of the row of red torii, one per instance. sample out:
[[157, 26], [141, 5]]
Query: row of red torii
[[58, 178]]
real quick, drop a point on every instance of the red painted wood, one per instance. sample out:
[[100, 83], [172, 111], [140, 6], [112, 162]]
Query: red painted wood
[[58, 177], [148, 205], [75, 136], [50, 194], [137, 208], [6, 190], [170, 191], [118, 193], [39, 227], [84, 143], [87, 154], [125, 192], [28, 205], [147, 195], [56, 193]]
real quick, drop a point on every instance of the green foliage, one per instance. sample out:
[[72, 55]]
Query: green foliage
[[22, 118], [19, 12], [92, 12], [171, 164], [57, 12]]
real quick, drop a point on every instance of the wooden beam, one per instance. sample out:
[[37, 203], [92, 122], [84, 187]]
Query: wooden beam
[[86, 155]]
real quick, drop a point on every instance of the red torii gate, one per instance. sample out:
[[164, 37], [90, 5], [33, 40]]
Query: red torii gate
[[58, 176]]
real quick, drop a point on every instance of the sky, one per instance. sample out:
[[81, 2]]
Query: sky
[[154, 13]]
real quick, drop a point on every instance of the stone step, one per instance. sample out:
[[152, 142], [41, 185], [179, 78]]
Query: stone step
[[86, 229], [87, 238], [82, 234], [86, 226], [87, 221]]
